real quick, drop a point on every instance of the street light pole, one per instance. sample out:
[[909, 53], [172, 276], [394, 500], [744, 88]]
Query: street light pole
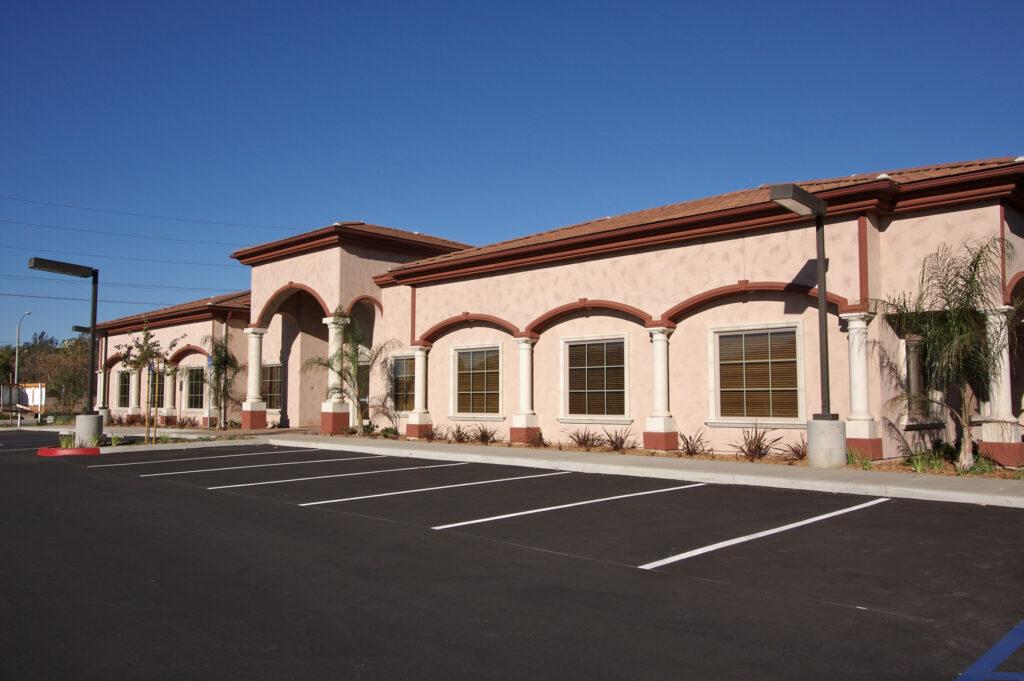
[[826, 402], [17, 385]]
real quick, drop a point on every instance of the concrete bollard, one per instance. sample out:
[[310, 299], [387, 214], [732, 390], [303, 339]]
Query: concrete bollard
[[88, 428], [826, 444]]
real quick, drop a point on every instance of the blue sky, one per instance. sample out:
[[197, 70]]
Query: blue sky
[[471, 120]]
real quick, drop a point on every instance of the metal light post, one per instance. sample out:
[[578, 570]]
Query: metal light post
[[88, 424], [17, 385], [826, 434]]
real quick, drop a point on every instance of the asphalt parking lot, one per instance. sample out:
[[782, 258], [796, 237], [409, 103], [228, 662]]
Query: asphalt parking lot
[[270, 562]]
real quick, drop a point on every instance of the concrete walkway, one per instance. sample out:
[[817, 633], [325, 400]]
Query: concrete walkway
[[966, 490]]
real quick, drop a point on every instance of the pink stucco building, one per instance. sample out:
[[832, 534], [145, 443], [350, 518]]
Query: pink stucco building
[[697, 315]]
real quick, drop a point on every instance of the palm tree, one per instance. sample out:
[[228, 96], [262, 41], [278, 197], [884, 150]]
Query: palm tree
[[352, 365], [961, 325], [222, 371]]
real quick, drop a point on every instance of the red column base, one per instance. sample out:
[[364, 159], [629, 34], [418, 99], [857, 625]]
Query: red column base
[[333, 422], [522, 436], [166, 420], [417, 430], [666, 442], [869, 447], [254, 420], [209, 422], [1004, 453]]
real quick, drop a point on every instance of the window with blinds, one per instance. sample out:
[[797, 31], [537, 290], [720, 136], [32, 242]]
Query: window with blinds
[[156, 388], [124, 388], [194, 389], [477, 381], [271, 385], [403, 383], [597, 378], [757, 374]]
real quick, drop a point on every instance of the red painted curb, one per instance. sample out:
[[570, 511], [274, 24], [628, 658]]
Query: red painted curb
[[70, 451]]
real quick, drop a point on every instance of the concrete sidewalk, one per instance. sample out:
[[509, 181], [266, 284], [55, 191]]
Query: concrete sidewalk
[[965, 490]]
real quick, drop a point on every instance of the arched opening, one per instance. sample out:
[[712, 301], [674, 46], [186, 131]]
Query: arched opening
[[296, 333]]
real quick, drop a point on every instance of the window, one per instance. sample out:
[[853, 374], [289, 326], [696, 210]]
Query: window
[[477, 381], [920, 408], [757, 374], [597, 378], [403, 383], [156, 388], [363, 385], [194, 389], [271, 385], [124, 388]]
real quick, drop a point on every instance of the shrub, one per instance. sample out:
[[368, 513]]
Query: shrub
[[116, 440], [854, 458], [188, 422], [164, 439], [695, 445], [435, 433], [66, 441], [796, 450], [233, 424], [389, 433], [460, 434], [586, 439], [485, 435], [755, 444], [982, 466], [116, 420], [620, 440], [536, 439]]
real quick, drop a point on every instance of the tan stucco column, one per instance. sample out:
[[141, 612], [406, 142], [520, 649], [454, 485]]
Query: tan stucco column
[[861, 428], [1000, 424], [660, 428], [135, 392], [254, 409], [334, 412], [419, 418], [168, 415], [524, 421], [101, 396]]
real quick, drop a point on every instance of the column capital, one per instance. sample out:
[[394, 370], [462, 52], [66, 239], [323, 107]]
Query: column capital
[[254, 331], [335, 321], [659, 331], [421, 349], [524, 340], [863, 316], [999, 310]]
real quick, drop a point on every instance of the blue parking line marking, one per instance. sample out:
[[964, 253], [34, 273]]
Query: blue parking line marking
[[985, 668]]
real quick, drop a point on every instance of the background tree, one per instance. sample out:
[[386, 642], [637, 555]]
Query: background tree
[[145, 352], [62, 365], [6, 364], [960, 325], [221, 373], [353, 365]]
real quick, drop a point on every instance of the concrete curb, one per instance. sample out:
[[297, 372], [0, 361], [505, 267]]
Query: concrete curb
[[130, 449], [979, 491]]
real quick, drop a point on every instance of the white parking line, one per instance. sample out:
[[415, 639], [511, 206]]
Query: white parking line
[[261, 465], [337, 475], [431, 489], [756, 535], [555, 508], [199, 458]]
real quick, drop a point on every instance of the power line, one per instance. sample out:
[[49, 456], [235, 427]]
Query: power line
[[120, 257], [148, 215], [124, 234], [119, 284], [84, 300]]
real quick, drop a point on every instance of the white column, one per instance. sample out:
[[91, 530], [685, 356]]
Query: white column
[[335, 346], [1000, 425], [660, 420], [101, 384], [860, 423], [253, 398], [170, 388], [135, 392], [525, 416], [419, 415]]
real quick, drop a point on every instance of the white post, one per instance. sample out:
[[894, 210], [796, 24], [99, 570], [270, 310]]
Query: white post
[[660, 431], [170, 384], [419, 417], [135, 392], [525, 418], [861, 423], [101, 384], [254, 409], [334, 411], [1000, 425]]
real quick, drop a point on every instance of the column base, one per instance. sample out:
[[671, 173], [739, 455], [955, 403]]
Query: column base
[[862, 429], [522, 435], [660, 433], [105, 413], [996, 429], [167, 418], [333, 418], [254, 420], [210, 421], [1004, 453], [418, 424], [867, 447]]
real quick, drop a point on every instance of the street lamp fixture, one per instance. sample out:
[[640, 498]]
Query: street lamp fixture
[[73, 270], [826, 434]]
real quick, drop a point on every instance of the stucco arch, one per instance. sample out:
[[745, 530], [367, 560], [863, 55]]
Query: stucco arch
[[282, 294], [112, 360], [1013, 287], [364, 299], [584, 304], [442, 327], [186, 350], [698, 301]]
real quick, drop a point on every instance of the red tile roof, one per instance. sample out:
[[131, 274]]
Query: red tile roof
[[238, 300]]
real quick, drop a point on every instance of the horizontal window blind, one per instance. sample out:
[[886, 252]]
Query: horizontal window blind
[[757, 374]]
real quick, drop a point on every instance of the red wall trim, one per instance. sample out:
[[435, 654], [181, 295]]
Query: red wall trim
[[111, 361], [183, 352], [439, 329], [1002, 251], [862, 256], [412, 314], [1011, 286], [279, 296], [743, 286], [550, 316], [367, 299]]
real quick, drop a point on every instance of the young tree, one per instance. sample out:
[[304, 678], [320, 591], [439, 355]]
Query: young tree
[[352, 365], [960, 324], [221, 374], [146, 352]]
